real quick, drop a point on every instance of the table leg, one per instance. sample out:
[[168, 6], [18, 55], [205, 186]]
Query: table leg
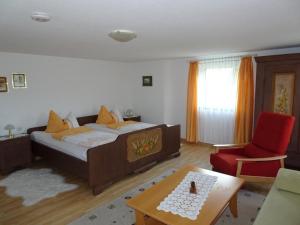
[[140, 218], [233, 205]]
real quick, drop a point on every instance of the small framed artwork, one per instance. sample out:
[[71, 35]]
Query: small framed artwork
[[147, 80], [283, 93], [3, 84], [19, 80]]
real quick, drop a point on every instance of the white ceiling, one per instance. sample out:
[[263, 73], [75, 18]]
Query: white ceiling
[[165, 28]]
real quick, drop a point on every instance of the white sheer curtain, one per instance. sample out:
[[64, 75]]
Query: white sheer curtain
[[217, 96]]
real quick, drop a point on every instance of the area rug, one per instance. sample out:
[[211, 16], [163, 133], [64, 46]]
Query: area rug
[[34, 185], [117, 213]]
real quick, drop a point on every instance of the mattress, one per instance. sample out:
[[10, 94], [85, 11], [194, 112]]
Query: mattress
[[122, 130]]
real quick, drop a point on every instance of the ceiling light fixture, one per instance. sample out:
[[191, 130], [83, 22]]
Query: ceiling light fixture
[[122, 35], [40, 16]]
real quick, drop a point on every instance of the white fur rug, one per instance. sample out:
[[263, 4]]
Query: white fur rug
[[34, 185]]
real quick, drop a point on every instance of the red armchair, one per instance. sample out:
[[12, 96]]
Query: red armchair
[[263, 157]]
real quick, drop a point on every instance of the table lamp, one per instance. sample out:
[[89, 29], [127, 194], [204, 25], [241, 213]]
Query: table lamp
[[10, 127]]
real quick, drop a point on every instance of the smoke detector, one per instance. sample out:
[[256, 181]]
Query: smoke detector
[[40, 16], [122, 35]]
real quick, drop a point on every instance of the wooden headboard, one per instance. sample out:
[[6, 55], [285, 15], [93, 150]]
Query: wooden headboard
[[81, 120], [87, 119]]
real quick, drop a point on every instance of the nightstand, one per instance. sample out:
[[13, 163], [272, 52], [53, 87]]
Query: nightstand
[[14, 152], [132, 118]]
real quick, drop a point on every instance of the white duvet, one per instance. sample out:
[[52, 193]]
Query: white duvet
[[91, 139], [122, 130], [71, 146]]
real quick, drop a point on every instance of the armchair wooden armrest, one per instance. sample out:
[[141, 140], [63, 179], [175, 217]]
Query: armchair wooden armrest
[[224, 146], [240, 162], [263, 159]]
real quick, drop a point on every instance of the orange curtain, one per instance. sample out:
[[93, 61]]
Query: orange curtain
[[192, 114], [244, 114]]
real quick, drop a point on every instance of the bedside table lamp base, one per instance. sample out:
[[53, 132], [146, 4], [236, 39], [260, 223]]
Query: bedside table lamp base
[[10, 134], [10, 127]]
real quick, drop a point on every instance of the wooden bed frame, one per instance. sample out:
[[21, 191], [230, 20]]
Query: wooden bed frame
[[108, 163]]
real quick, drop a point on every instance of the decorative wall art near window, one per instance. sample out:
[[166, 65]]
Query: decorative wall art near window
[[283, 93], [3, 84], [147, 80], [19, 80]]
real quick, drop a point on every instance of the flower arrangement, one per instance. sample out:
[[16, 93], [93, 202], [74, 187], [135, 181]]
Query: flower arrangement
[[282, 101]]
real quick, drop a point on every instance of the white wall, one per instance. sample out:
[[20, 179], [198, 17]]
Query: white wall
[[165, 101], [176, 93], [149, 101], [61, 84]]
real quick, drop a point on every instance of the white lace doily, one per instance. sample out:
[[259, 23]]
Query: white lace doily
[[183, 203]]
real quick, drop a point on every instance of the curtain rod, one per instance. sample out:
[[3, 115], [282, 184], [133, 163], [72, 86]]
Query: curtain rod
[[220, 57]]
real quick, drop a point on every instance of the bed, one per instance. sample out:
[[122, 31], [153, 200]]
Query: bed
[[110, 162]]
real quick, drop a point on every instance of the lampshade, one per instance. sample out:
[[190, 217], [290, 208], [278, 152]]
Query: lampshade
[[9, 127], [122, 35]]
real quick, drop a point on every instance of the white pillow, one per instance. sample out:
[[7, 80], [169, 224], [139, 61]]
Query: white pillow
[[118, 114], [71, 120]]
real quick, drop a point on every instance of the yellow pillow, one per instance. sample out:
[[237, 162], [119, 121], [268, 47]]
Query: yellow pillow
[[55, 123], [105, 117]]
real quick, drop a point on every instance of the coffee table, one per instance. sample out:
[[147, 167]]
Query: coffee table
[[223, 194]]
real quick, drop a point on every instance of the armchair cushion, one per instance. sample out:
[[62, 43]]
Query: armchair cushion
[[227, 163], [252, 151], [237, 151], [273, 132]]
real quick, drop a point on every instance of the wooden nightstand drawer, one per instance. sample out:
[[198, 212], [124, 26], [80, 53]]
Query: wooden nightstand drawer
[[15, 152]]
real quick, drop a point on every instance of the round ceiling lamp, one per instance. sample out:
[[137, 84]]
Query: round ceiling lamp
[[122, 35], [40, 16]]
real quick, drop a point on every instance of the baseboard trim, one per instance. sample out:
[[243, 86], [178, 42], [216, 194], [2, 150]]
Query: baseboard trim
[[184, 141]]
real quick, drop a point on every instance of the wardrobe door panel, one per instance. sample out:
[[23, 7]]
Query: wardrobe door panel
[[267, 67], [268, 98]]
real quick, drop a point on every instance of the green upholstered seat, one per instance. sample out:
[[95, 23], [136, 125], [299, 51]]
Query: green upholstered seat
[[281, 207]]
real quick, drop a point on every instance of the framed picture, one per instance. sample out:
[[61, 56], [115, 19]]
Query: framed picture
[[147, 80], [3, 84], [283, 93], [19, 80]]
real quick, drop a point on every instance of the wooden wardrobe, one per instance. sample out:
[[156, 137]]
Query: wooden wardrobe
[[268, 67]]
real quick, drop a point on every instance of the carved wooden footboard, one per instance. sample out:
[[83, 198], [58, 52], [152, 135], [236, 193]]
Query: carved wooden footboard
[[110, 162], [106, 165]]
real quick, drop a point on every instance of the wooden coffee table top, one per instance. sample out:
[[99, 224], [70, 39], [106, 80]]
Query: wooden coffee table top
[[218, 199]]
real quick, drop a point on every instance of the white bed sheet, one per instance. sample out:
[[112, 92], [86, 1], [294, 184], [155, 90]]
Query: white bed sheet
[[44, 138], [122, 130]]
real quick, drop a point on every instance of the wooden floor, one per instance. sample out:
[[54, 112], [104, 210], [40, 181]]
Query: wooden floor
[[68, 206]]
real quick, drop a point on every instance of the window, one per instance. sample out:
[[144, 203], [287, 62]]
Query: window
[[217, 96]]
